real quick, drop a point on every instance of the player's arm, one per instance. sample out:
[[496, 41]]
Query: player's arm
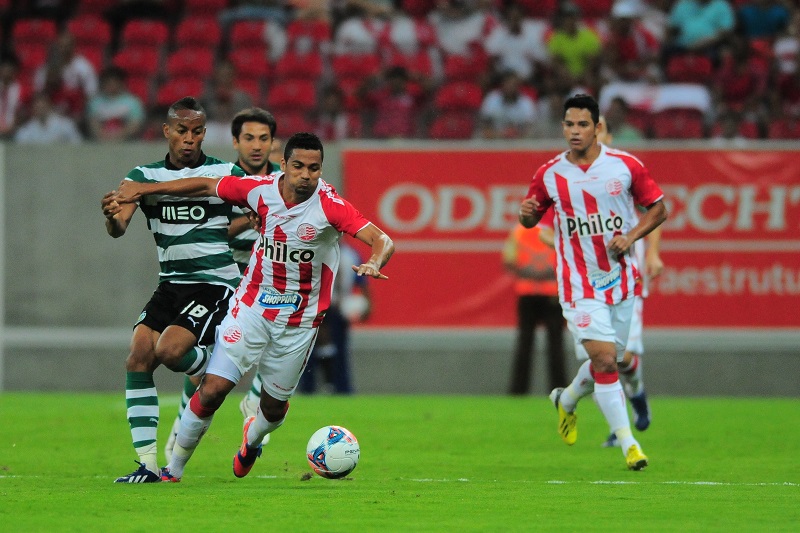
[[529, 214], [117, 216], [382, 249], [131, 191], [655, 215], [652, 258]]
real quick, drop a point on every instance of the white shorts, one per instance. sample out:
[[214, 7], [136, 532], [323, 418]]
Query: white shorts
[[635, 344], [593, 320], [280, 352]]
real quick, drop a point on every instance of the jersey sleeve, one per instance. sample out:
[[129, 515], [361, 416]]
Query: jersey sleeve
[[539, 191], [341, 214], [137, 175], [645, 191], [235, 189]]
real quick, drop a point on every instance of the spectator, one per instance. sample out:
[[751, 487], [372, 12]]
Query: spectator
[[616, 118], [332, 122], [11, 96], [223, 96], [46, 126], [460, 29], [762, 19], [573, 44], [518, 44], [507, 112], [365, 29], [68, 101], [699, 26], [630, 48], [77, 72], [786, 48], [114, 114], [393, 103]]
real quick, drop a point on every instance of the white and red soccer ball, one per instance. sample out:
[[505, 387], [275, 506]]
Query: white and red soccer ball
[[333, 452]]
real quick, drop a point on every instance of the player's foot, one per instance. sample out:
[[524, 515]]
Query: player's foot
[[641, 411], [246, 457], [140, 475], [635, 458], [567, 422], [248, 408], [166, 476], [611, 441]]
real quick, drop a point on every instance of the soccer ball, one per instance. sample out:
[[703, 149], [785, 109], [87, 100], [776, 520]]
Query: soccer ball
[[332, 452]]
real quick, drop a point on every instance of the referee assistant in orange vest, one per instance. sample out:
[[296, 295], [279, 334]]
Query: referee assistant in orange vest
[[533, 265]]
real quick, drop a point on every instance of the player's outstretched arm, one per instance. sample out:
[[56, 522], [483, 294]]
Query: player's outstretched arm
[[382, 250], [131, 191]]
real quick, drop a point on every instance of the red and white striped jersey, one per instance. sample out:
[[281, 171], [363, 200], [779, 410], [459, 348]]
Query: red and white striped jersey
[[290, 273], [592, 205]]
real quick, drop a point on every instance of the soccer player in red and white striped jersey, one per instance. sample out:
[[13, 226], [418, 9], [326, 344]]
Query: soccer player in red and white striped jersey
[[593, 190], [283, 295]]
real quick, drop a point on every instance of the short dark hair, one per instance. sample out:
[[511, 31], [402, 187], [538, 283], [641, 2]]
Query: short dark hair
[[583, 101], [304, 141], [187, 103], [253, 114]]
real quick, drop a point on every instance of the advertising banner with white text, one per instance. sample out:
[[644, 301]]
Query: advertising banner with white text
[[731, 246]]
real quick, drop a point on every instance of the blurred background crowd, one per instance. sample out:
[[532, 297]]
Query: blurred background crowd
[[101, 70]]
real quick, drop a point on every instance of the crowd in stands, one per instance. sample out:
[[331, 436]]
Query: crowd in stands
[[102, 70]]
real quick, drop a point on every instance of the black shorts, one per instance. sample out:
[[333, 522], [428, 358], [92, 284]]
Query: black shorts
[[198, 307]]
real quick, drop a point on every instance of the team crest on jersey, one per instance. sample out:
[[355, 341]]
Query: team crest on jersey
[[614, 187], [306, 232], [582, 320], [602, 281], [271, 298], [232, 335]]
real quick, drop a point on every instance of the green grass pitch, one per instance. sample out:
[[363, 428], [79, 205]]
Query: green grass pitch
[[428, 463]]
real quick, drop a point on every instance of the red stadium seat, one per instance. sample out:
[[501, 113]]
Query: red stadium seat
[[453, 125], [203, 8], [678, 123], [641, 119], [94, 7], [292, 95], [96, 54], [418, 64], [33, 31], [542, 9], [251, 86], [247, 34], [31, 56], [689, 68], [784, 129], [293, 121], [189, 61], [293, 65], [251, 63], [145, 32], [173, 90], [138, 60], [593, 9], [90, 30], [418, 9], [352, 66], [141, 86], [459, 96], [465, 68], [315, 32], [199, 32]]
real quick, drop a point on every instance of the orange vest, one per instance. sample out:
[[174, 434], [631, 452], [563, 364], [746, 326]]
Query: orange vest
[[526, 249]]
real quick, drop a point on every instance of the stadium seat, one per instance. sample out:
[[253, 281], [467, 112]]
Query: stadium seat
[[641, 119], [419, 63], [138, 60], [31, 56], [689, 68], [292, 95], [33, 31], [678, 123], [90, 30], [453, 125], [784, 129], [247, 34], [173, 90], [459, 96], [141, 86], [540, 9], [145, 32], [313, 32], [198, 31], [189, 61], [353, 66], [351, 100], [203, 8], [418, 9], [292, 121], [251, 86], [96, 54], [94, 7], [293, 65], [465, 68], [594, 9], [251, 63]]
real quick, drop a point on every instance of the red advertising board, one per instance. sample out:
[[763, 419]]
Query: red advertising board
[[731, 245]]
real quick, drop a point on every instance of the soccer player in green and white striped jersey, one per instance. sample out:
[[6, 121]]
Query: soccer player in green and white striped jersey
[[198, 275]]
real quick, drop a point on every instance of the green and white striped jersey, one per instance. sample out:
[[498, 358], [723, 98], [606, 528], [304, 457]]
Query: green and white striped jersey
[[191, 234]]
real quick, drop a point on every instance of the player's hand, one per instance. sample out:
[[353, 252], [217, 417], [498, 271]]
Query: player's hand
[[620, 244], [110, 205], [653, 265], [128, 192], [254, 220], [369, 269], [528, 207]]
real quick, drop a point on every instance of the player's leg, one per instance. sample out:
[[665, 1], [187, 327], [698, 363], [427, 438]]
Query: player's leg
[[523, 351], [631, 369], [553, 322], [141, 399], [280, 368], [190, 384]]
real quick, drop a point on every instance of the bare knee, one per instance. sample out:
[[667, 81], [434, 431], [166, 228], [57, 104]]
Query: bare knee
[[142, 357], [603, 355], [214, 390], [272, 408]]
